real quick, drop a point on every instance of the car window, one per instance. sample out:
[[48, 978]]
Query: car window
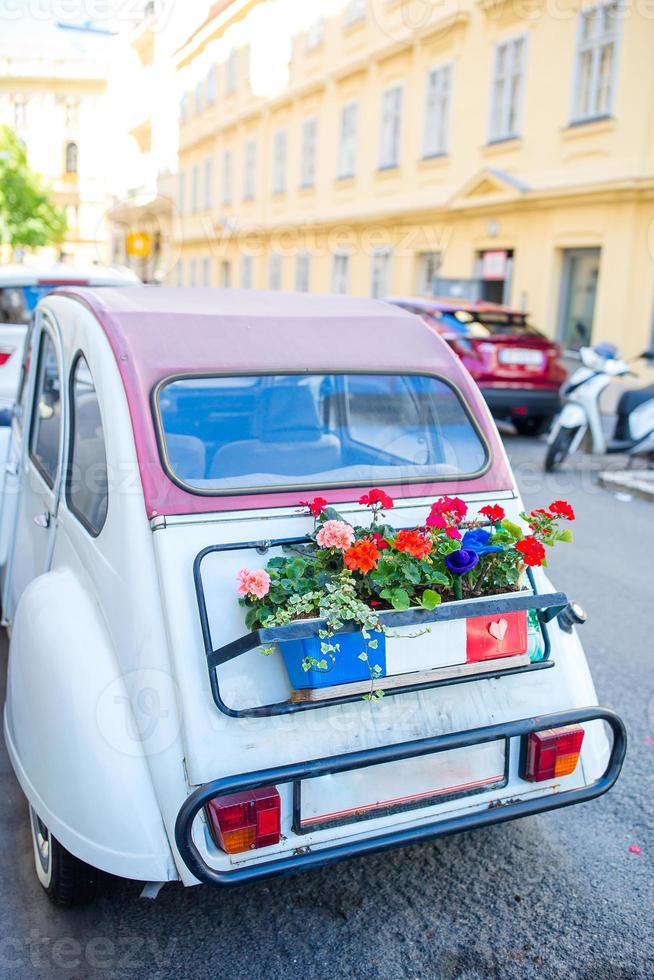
[[86, 484], [319, 430], [46, 415], [490, 324]]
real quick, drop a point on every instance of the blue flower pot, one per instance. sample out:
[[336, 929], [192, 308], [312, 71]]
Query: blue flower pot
[[343, 665]]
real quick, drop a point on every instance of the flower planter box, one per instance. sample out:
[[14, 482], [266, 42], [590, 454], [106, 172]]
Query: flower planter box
[[408, 649]]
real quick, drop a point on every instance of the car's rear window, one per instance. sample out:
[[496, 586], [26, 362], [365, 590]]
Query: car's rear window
[[256, 433], [490, 324]]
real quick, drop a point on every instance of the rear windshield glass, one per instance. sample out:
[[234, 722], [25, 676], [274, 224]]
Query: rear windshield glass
[[224, 434], [487, 324]]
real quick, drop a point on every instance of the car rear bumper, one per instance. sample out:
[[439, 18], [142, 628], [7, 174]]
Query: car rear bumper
[[508, 403], [305, 858]]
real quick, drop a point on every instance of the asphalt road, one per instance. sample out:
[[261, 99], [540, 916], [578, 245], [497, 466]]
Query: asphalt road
[[557, 895]]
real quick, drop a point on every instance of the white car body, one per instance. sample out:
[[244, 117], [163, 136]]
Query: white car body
[[111, 723]]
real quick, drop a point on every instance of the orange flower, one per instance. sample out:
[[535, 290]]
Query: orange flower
[[414, 543], [362, 556]]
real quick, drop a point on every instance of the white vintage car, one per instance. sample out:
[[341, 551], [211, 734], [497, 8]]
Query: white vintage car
[[161, 440]]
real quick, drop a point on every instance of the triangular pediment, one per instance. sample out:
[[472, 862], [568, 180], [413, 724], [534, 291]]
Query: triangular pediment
[[489, 185]]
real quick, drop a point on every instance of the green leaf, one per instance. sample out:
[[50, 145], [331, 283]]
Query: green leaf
[[565, 535], [513, 529], [430, 599], [400, 599]]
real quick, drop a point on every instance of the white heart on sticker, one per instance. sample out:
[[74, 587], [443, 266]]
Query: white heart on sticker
[[498, 629]]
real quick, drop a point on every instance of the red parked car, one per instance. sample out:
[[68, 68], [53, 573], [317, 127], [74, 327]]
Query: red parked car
[[518, 369]]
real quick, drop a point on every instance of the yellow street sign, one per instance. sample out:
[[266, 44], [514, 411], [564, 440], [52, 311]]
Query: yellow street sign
[[139, 244]]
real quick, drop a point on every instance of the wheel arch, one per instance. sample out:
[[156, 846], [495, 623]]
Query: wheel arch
[[72, 737]]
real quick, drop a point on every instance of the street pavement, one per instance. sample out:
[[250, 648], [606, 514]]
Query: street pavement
[[556, 895]]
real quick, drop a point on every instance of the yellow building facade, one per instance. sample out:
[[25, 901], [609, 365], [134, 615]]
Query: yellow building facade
[[503, 150]]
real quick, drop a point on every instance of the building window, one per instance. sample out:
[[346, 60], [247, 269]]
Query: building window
[[302, 260], [347, 143], [193, 273], [72, 158], [227, 176], [246, 272], [225, 273], [280, 141], [179, 273], [183, 108], [391, 128], [195, 181], [340, 272], [181, 181], [597, 46], [212, 85], [380, 281], [20, 112], [208, 183], [355, 10], [206, 272], [508, 84], [231, 69], [249, 169], [308, 158], [315, 33], [429, 264], [437, 111], [71, 113], [197, 102], [275, 271]]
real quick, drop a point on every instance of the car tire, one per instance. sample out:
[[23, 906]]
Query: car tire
[[533, 426], [66, 880], [558, 449]]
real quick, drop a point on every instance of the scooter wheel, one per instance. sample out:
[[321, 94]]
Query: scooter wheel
[[559, 449]]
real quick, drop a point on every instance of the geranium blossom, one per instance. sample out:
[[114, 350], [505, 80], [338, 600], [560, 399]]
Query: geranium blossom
[[335, 534], [362, 556], [493, 512], [532, 551], [446, 511], [380, 541], [316, 506], [256, 583], [561, 508], [376, 498], [414, 543]]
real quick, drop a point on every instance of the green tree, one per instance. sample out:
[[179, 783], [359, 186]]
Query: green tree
[[28, 216]]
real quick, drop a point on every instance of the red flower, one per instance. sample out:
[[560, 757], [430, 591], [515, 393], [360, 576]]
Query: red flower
[[561, 508], [413, 543], [362, 556], [493, 512], [376, 498], [531, 550], [380, 541], [453, 532], [452, 507], [316, 506]]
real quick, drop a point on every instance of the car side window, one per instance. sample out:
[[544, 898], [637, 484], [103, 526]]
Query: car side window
[[86, 485], [46, 415]]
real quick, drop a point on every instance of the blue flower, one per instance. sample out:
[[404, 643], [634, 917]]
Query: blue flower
[[461, 561], [479, 541]]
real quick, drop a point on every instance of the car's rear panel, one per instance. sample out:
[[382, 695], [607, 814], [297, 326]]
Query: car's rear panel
[[391, 777]]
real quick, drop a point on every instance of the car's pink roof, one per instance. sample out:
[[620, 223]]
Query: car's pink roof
[[156, 332]]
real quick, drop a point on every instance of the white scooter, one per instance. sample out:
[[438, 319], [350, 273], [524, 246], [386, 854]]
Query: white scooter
[[579, 422]]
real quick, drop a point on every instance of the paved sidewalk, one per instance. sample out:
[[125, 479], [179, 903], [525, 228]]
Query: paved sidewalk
[[638, 483]]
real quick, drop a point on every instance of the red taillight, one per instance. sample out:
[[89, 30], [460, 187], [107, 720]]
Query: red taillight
[[5, 354], [243, 821], [552, 753]]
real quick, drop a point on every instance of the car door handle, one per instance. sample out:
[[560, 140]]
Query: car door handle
[[42, 520]]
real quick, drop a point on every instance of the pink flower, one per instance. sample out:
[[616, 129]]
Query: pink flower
[[255, 583], [335, 534], [453, 532]]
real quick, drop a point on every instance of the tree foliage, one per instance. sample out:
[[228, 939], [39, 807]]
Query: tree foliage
[[28, 216]]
